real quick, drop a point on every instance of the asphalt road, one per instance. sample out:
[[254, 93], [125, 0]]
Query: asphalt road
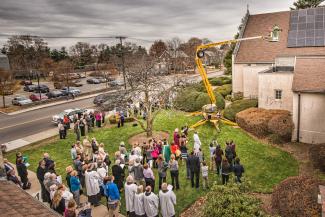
[[18, 126], [14, 127]]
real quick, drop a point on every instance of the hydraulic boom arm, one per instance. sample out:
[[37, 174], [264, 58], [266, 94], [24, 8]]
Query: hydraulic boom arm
[[200, 54]]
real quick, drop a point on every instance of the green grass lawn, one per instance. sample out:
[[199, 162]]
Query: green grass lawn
[[265, 165]]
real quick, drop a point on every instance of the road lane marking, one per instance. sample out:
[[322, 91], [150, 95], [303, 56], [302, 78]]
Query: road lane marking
[[22, 123]]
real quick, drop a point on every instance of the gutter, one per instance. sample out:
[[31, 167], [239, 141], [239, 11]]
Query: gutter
[[299, 111]]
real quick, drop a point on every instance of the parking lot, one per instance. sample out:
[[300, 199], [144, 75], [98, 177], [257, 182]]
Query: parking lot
[[84, 88]]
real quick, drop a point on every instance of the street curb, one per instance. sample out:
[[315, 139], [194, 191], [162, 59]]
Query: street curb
[[57, 103]]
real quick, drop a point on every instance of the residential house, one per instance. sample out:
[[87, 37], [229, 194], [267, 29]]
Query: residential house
[[172, 61], [286, 71]]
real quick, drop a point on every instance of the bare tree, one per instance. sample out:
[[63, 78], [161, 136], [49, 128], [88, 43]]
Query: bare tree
[[149, 88], [7, 84]]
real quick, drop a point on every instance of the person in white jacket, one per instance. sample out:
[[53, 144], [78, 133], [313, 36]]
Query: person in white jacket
[[197, 142], [167, 200], [92, 185], [151, 203], [130, 190], [138, 202]]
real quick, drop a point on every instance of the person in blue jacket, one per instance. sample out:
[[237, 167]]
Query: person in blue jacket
[[113, 196], [75, 186]]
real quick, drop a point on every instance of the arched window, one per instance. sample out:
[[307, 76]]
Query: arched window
[[275, 33]]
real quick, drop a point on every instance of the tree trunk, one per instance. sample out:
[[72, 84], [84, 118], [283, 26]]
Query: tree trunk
[[3, 100], [149, 123]]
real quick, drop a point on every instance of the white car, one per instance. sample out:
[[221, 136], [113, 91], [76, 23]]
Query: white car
[[21, 100], [70, 113]]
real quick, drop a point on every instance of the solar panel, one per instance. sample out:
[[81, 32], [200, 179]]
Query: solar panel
[[307, 28]]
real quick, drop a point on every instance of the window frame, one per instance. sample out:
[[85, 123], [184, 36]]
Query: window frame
[[275, 34], [278, 94]]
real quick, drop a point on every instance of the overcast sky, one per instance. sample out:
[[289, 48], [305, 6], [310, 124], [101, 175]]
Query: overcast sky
[[141, 19]]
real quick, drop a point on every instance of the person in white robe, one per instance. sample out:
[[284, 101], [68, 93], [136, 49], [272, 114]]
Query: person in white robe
[[92, 185], [167, 199], [138, 202], [197, 142], [151, 203], [130, 189]]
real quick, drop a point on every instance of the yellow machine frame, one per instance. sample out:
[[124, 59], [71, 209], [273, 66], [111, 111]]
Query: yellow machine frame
[[199, 55]]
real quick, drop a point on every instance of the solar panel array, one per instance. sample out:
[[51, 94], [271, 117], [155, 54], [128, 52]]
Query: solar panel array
[[307, 28]]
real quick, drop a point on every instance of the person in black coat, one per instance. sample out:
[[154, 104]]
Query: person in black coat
[[194, 166], [22, 173], [41, 170], [238, 170], [118, 174]]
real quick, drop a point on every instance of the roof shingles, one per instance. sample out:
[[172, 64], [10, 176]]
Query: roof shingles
[[262, 51], [16, 202]]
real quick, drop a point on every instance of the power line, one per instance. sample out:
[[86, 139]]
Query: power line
[[61, 37]]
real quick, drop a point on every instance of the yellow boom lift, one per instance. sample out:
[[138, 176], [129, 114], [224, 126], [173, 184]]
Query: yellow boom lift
[[210, 111]]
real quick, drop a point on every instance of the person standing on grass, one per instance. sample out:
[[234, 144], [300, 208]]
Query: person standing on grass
[[137, 169], [176, 137], [151, 203], [103, 116], [82, 126], [166, 151], [218, 155], [238, 170], [58, 202], [212, 150], [173, 167], [89, 123], [167, 200], [225, 171], [92, 185], [98, 118], [162, 170], [149, 176], [66, 123], [118, 174], [61, 130], [197, 142], [76, 129], [113, 197], [130, 190], [41, 170], [205, 173], [75, 186], [194, 165], [139, 202], [229, 153], [68, 171]]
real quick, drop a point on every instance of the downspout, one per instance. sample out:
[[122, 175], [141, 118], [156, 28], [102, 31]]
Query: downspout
[[298, 123]]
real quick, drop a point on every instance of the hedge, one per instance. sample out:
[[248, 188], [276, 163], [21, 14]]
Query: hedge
[[238, 106], [220, 81], [112, 119], [297, 196], [224, 90], [230, 201], [263, 122], [190, 100]]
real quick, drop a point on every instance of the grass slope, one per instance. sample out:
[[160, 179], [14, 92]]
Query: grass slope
[[265, 165]]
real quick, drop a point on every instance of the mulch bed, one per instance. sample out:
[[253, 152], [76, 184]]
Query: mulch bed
[[142, 137]]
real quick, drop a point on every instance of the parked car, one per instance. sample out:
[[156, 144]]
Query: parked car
[[38, 97], [71, 90], [26, 82], [42, 88], [93, 81], [21, 100], [116, 83], [101, 80], [30, 88], [81, 75], [70, 112], [54, 94]]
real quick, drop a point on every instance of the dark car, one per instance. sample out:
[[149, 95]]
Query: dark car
[[30, 88], [54, 94], [101, 98], [93, 81], [71, 90], [101, 80], [38, 97], [42, 88], [26, 82]]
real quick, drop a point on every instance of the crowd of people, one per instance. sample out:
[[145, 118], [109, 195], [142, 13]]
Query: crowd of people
[[96, 174]]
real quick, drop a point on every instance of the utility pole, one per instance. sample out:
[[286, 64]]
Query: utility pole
[[122, 56]]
